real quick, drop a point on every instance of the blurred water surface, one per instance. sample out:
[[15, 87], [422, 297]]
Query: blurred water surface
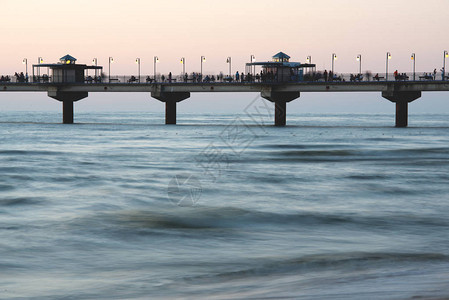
[[330, 207]]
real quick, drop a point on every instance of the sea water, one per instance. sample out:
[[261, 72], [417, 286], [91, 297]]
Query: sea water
[[223, 206]]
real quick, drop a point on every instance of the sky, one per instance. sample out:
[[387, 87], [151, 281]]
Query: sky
[[126, 30]]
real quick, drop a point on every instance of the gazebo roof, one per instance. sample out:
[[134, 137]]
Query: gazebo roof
[[68, 58], [281, 55]]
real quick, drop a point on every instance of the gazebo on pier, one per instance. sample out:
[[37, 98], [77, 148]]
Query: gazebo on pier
[[66, 71], [280, 69]]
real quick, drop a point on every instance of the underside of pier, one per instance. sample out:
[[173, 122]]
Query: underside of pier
[[67, 99], [170, 99], [402, 99], [280, 100]]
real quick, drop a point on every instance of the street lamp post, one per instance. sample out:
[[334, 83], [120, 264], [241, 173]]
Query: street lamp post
[[445, 54], [183, 61], [110, 61], [414, 63], [228, 60], [94, 61], [386, 71], [359, 59], [309, 61], [25, 62], [138, 68], [203, 58], [334, 58], [253, 59], [39, 61], [156, 60]]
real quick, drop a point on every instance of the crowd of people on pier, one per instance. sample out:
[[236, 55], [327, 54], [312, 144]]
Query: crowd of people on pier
[[325, 76], [198, 78], [268, 77], [21, 78], [239, 77], [5, 78], [94, 79]]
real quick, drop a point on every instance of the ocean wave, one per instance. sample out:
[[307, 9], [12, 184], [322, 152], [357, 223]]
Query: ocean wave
[[368, 176], [339, 153], [344, 262], [336, 152], [30, 152], [202, 218], [6, 187], [19, 201]]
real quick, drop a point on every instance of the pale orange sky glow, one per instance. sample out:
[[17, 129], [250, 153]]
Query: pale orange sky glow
[[218, 29]]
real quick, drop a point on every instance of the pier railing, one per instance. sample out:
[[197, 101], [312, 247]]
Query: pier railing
[[248, 78]]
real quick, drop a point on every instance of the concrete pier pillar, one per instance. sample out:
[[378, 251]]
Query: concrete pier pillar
[[280, 100], [170, 112], [401, 114], [67, 112], [170, 99], [67, 99], [401, 99], [280, 113]]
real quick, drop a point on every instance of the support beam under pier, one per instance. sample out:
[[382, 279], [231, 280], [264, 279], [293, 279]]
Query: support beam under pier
[[170, 112], [67, 99], [67, 112], [280, 113], [401, 114], [170, 99], [401, 99], [280, 100]]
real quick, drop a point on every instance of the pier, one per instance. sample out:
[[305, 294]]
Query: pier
[[70, 82]]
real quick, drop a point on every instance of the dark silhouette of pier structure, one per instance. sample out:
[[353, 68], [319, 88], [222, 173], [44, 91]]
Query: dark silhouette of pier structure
[[280, 82]]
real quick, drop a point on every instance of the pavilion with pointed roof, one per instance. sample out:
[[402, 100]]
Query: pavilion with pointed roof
[[65, 71], [282, 69], [67, 60], [281, 57]]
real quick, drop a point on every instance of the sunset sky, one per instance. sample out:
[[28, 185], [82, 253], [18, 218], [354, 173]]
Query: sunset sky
[[173, 29]]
